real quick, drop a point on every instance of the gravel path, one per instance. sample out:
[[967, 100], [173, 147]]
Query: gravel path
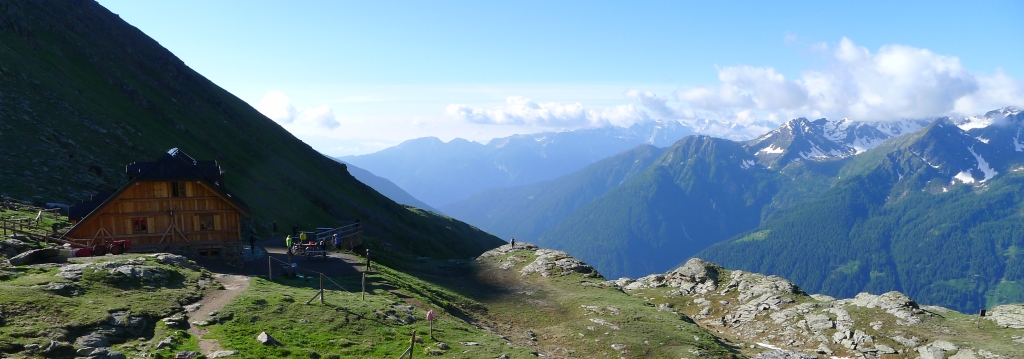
[[215, 300]]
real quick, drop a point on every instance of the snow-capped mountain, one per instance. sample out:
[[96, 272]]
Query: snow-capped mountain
[[802, 139]]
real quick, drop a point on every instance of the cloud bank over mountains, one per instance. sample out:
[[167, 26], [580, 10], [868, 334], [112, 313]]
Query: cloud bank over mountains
[[523, 111], [276, 106], [896, 82]]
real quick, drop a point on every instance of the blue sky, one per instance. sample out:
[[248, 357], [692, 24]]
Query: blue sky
[[354, 77]]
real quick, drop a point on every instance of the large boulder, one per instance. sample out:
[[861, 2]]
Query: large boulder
[[551, 262], [696, 276], [34, 256], [1008, 316], [139, 273], [72, 271], [898, 304]]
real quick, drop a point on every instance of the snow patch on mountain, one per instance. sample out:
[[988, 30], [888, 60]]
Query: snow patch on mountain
[[1017, 145], [983, 166], [963, 176], [772, 149], [973, 122]]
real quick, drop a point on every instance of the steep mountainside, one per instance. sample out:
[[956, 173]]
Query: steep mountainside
[[525, 212], [441, 173], [387, 188], [938, 214], [700, 191], [82, 94]]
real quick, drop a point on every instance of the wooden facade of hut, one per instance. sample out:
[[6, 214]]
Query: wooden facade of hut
[[175, 204]]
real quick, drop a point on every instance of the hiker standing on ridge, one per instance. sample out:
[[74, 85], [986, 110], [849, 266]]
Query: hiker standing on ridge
[[513, 242], [367, 259]]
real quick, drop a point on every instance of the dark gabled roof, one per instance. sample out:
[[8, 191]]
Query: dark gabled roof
[[82, 209], [173, 165]]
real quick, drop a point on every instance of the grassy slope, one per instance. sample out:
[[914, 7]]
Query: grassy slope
[[82, 94], [32, 315]]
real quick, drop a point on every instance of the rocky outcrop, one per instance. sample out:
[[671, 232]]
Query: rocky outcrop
[[551, 262], [1008, 316], [898, 304], [696, 276], [547, 263], [508, 248]]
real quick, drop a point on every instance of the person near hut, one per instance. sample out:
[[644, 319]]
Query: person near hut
[[288, 243], [302, 237], [252, 243], [337, 242]]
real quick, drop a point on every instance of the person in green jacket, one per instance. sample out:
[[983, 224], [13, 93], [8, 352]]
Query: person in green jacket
[[302, 237], [288, 243]]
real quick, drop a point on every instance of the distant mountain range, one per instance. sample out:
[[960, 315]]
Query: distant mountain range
[[641, 211], [440, 173]]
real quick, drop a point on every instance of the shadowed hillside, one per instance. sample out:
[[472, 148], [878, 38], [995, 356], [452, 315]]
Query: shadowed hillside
[[82, 94]]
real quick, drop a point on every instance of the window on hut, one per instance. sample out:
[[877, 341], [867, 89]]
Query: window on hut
[[178, 189], [139, 225], [206, 223]]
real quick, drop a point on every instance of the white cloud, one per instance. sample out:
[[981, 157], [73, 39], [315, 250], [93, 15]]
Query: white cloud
[[523, 111], [276, 106], [896, 82]]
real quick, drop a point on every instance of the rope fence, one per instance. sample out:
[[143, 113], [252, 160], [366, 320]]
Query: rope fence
[[322, 275]]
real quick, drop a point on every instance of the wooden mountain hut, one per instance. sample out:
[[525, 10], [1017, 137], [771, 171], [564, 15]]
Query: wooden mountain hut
[[175, 204]]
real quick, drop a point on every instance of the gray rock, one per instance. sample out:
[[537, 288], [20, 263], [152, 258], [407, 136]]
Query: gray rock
[[175, 322], [783, 354], [443, 346], [172, 259], [551, 262], [93, 340], [187, 355], [696, 276], [907, 342], [72, 271], [222, 354], [266, 339], [105, 353], [936, 349], [32, 347], [166, 342], [1008, 316], [34, 256], [818, 322], [150, 274], [63, 289], [506, 249], [56, 348], [898, 304]]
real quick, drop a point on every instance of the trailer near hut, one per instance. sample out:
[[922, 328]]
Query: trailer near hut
[[175, 204]]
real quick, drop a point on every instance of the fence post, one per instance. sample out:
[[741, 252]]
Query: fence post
[[364, 286], [270, 269], [321, 288], [412, 345]]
